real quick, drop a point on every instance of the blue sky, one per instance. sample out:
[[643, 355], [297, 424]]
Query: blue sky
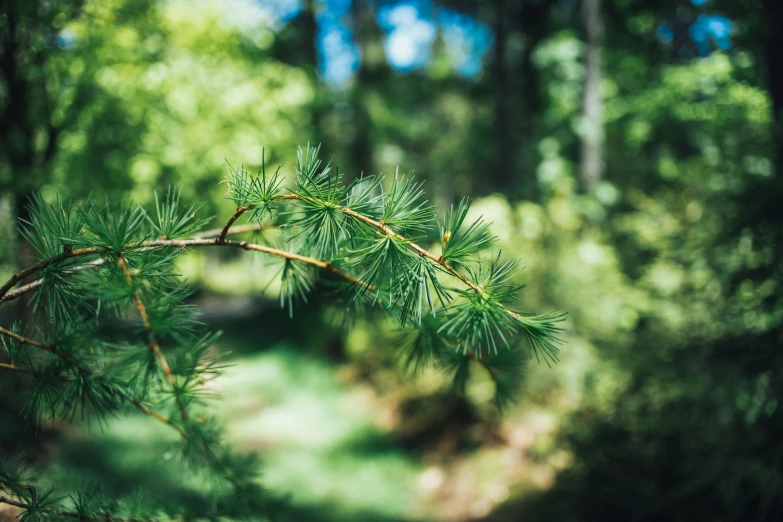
[[707, 32], [410, 28]]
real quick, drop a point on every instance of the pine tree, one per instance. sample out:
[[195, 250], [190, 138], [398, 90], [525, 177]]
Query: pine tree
[[96, 263]]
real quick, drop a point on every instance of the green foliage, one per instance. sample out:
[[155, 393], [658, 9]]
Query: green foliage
[[256, 193], [458, 243], [100, 261], [60, 221], [171, 222], [404, 210]]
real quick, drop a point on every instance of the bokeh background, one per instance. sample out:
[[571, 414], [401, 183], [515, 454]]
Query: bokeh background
[[626, 151]]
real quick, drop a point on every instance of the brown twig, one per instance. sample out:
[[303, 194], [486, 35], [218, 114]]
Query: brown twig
[[18, 292], [41, 265], [238, 229], [224, 232], [153, 343], [183, 243], [155, 415], [11, 367], [51, 348], [323, 265]]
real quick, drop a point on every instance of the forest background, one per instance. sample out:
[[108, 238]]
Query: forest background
[[626, 151]]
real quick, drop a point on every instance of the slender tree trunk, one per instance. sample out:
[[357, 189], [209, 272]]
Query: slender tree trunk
[[310, 41], [591, 166], [503, 174], [774, 48], [774, 61], [361, 146]]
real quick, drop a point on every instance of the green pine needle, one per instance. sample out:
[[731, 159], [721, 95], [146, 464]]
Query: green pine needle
[[255, 193], [459, 243], [405, 210], [171, 222]]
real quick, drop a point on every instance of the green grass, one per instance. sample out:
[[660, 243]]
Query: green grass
[[315, 436]]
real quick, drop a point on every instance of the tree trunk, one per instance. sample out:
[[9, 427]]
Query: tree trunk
[[503, 174], [310, 42], [591, 166], [366, 33]]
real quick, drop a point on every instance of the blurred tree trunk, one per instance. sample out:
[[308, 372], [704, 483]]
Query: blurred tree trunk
[[27, 39], [503, 175], [774, 63], [310, 42], [774, 45], [534, 25], [366, 32], [591, 165]]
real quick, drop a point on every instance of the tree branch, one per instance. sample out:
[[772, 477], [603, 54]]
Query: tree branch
[[51, 348], [82, 369], [239, 229], [69, 514], [41, 265], [224, 232], [388, 231], [11, 367], [18, 292], [153, 343], [182, 243], [155, 415]]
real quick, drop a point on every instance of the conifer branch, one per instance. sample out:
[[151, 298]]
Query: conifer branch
[[235, 229], [51, 348], [153, 343], [344, 229], [18, 292], [241, 210], [163, 363], [11, 367], [68, 514], [389, 232], [41, 265], [155, 415], [198, 242]]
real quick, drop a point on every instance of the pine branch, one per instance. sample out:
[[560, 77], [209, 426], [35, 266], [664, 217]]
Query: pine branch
[[18, 292], [51, 348], [234, 230], [153, 343], [387, 231], [184, 243], [155, 415], [357, 232], [11, 367], [41, 265], [237, 214], [68, 514]]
